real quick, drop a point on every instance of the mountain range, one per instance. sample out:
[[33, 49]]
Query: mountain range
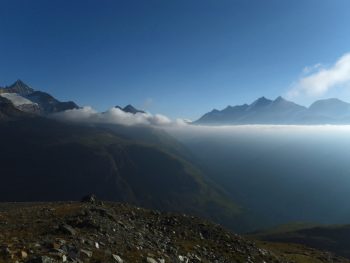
[[29, 100], [280, 111], [44, 159], [26, 99]]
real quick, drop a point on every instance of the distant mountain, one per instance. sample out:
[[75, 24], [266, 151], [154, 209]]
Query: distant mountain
[[48, 104], [27, 99], [18, 87], [130, 109], [280, 111], [330, 108]]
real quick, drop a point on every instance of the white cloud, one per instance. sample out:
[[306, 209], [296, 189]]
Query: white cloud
[[319, 80], [114, 116], [312, 69]]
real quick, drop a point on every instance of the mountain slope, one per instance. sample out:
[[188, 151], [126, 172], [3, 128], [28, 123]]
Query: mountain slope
[[113, 232], [49, 104], [8, 111], [95, 231], [62, 161], [335, 239]]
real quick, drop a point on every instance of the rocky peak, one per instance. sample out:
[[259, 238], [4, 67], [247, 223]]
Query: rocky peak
[[129, 109], [19, 87], [260, 102], [280, 99]]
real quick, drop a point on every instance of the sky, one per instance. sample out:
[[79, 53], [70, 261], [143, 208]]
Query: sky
[[181, 58]]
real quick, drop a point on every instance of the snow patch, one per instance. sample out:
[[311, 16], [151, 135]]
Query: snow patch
[[16, 99]]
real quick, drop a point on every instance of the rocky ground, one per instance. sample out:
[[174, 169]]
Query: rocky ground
[[93, 231]]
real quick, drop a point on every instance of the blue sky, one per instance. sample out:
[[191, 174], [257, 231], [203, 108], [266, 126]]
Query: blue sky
[[180, 58]]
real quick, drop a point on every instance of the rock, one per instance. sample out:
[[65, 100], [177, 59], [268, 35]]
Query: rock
[[73, 252], [87, 253], [42, 259], [67, 229], [23, 254], [91, 198], [183, 259], [5, 251], [117, 258], [89, 242], [151, 260], [122, 234], [55, 245]]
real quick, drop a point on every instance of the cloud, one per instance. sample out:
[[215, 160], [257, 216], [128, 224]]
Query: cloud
[[114, 116], [319, 80], [312, 69]]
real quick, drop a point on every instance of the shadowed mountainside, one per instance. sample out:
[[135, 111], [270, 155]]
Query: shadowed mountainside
[[330, 238], [47, 160]]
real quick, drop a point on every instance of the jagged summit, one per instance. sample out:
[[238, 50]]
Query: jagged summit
[[20, 88], [130, 109], [279, 99], [260, 102]]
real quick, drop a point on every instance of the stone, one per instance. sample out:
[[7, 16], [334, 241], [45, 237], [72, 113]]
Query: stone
[[55, 245], [5, 251], [151, 260], [117, 258], [23, 254], [42, 259], [183, 259], [67, 229], [87, 253], [91, 198]]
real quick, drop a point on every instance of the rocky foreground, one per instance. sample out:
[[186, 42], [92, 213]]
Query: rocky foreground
[[93, 231]]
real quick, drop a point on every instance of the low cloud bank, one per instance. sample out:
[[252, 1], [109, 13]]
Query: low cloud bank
[[116, 116]]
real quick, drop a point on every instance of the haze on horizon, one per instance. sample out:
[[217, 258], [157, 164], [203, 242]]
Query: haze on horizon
[[178, 58]]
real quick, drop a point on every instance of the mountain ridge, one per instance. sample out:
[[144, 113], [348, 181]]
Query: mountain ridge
[[130, 109], [34, 101], [280, 111]]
